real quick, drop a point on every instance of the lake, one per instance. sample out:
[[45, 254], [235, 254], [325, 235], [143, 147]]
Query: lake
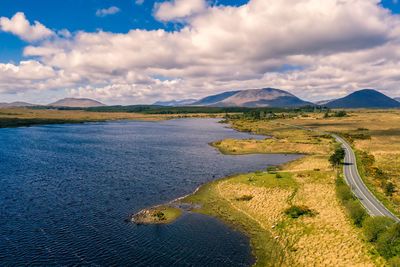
[[66, 190]]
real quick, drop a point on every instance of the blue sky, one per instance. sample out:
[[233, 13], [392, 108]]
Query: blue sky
[[77, 15], [249, 44]]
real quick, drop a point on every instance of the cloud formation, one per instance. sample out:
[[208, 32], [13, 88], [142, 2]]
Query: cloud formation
[[107, 11], [178, 9], [20, 26], [336, 46]]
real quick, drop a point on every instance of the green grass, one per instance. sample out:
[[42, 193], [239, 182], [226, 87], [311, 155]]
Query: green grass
[[265, 248], [171, 213], [267, 180]]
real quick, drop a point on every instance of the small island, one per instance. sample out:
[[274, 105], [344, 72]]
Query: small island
[[157, 215]]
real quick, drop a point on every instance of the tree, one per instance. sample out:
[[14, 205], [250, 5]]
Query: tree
[[390, 189], [388, 243], [356, 212], [336, 158], [374, 226]]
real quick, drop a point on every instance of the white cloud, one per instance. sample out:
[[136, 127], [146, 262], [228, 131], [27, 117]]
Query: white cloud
[[178, 9], [107, 11], [20, 26], [139, 2], [28, 75], [339, 46]]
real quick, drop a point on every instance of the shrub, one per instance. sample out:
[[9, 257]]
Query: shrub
[[271, 169], [374, 226], [388, 243], [278, 175], [296, 211], [344, 193], [159, 214], [390, 189], [245, 198], [356, 212]]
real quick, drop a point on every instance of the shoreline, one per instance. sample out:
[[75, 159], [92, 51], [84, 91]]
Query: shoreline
[[255, 203], [185, 204]]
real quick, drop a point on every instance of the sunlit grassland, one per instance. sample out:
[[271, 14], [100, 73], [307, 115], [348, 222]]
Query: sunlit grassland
[[256, 202], [383, 128], [16, 117]]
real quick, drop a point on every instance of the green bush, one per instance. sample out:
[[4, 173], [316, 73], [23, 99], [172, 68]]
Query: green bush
[[356, 212], [390, 189], [374, 226], [388, 243], [344, 193], [296, 211], [395, 262]]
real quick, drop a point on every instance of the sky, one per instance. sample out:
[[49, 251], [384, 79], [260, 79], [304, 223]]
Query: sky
[[143, 51]]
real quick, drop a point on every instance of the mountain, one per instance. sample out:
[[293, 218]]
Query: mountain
[[397, 99], [77, 103], [266, 97], [16, 104], [175, 103], [367, 98]]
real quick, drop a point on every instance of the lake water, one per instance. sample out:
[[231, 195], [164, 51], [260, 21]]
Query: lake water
[[66, 190]]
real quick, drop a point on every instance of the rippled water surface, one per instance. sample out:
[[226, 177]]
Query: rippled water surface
[[66, 190]]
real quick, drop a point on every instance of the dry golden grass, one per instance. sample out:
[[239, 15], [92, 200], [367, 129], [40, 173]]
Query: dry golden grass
[[327, 239], [384, 128], [285, 139]]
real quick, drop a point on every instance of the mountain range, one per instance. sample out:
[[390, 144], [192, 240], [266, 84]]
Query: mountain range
[[175, 103], [270, 97], [16, 104], [76, 102], [266, 97]]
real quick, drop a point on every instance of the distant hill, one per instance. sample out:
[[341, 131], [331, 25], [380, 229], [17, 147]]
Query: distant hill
[[77, 103], [266, 97], [397, 99], [366, 98], [174, 103], [16, 104]]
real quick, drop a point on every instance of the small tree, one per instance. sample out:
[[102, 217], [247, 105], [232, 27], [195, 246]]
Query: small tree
[[356, 212], [374, 226], [336, 158], [390, 189]]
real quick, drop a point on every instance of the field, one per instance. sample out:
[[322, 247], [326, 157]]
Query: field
[[371, 132], [17, 117], [265, 205]]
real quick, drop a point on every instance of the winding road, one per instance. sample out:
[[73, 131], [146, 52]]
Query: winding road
[[353, 179]]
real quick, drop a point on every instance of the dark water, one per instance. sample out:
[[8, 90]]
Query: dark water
[[66, 190]]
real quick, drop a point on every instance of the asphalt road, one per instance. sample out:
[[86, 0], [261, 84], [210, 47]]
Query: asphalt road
[[353, 179]]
